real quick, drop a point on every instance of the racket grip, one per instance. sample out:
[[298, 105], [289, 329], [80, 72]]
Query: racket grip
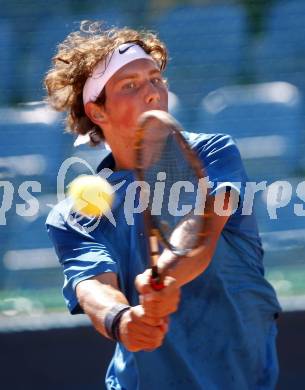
[[156, 281], [157, 284]]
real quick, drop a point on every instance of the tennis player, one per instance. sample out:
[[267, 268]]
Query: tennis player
[[222, 329]]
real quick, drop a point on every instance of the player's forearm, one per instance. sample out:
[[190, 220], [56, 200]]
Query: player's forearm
[[96, 299], [135, 330], [184, 269]]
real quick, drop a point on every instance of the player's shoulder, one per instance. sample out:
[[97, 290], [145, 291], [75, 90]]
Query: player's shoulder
[[59, 214], [209, 141], [63, 217]]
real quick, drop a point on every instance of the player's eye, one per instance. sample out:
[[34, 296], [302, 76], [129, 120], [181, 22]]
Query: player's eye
[[157, 80], [129, 85]]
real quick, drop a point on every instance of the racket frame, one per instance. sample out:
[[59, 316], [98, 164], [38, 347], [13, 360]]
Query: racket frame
[[154, 234]]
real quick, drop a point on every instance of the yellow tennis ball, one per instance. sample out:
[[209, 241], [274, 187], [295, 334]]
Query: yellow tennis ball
[[92, 196]]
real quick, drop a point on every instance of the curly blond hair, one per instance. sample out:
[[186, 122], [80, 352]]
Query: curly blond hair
[[75, 60]]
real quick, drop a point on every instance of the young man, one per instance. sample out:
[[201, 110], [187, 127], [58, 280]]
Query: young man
[[222, 335]]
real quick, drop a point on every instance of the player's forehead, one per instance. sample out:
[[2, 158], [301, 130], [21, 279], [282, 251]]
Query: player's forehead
[[137, 68]]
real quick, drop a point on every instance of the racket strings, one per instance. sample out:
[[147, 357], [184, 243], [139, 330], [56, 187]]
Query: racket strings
[[175, 198]]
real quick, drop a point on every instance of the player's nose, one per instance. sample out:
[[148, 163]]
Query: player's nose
[[152, 94]]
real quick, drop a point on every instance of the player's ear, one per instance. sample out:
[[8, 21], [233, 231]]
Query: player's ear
[[96, 113]]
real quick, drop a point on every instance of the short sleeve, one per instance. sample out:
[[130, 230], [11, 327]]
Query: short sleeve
[[80, 257], [222, 161]]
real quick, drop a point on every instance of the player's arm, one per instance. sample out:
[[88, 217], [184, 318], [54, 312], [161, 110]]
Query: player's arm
[[186, 269], [99, 295], [182, 270]]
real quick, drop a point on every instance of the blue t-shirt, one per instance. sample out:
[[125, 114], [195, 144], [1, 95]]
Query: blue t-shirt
[[223, 334]]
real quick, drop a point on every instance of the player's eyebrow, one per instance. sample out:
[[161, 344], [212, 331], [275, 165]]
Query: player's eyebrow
[[136, 75]]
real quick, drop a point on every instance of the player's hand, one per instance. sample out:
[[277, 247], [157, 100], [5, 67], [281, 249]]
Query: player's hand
[[160, 303], [138, 332]]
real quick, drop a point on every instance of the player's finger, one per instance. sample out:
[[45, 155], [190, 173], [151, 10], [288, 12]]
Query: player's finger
[[139, 316], [152, 337], [142, 335], [160, 311], [143, 282]]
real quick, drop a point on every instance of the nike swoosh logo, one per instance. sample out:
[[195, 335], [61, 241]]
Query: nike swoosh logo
[[122, 51]]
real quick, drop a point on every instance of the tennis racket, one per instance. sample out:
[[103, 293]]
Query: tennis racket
[[179, 212]]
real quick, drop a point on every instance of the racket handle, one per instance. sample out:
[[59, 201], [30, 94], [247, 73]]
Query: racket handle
[[157, 284], [156, 281]]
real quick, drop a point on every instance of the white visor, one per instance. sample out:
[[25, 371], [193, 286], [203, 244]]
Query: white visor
[[104, 70]]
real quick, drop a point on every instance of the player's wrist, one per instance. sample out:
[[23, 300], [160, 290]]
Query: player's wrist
[[112, 320]]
